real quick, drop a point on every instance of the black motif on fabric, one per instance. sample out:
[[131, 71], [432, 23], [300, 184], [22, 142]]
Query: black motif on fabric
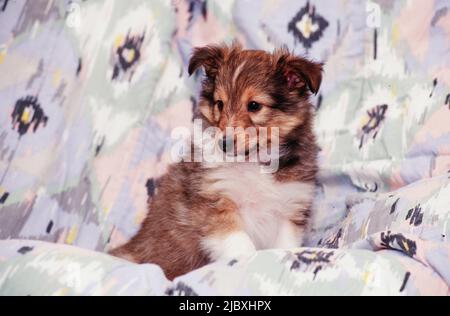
[[375, 43], [405, 281], [371, 128], [435, 82], [151, 186], [311, 256], [197, 5], [127, 54], [307, 26], [394, 206], [99, 146], [5, 4], [415, 215], [25, 249], [370, 188], [28, 112], [48, 230], [181, 289], [4, 197], [334, 243], [398, 242], [80, 66]]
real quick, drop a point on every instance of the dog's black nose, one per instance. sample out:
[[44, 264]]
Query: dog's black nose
[[226, 144]]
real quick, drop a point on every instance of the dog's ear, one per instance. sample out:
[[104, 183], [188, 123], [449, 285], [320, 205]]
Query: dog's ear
[[208, 57], [300, 73]]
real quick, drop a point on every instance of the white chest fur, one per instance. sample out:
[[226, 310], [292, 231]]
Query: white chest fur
[[265, 205]]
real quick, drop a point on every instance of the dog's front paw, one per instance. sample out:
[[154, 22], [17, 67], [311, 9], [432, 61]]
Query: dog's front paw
[[289, 236], [226, 247]]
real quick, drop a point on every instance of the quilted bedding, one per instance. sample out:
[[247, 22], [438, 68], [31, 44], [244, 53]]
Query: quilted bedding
[[91, 90]]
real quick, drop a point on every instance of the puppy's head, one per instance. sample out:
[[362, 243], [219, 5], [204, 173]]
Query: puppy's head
[[245, 89]]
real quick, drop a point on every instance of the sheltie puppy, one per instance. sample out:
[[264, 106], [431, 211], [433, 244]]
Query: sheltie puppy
[[208, 211]]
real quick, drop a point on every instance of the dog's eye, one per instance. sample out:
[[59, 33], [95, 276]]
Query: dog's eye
[[254, 106], [219, 105]]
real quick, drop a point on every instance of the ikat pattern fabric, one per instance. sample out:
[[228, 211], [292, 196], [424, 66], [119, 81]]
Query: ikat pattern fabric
[[91, 90]]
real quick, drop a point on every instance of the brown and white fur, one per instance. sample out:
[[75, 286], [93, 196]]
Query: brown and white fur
[[203, 213]]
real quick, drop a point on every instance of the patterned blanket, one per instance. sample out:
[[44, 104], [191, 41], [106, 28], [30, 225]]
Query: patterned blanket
[[91, 90]]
